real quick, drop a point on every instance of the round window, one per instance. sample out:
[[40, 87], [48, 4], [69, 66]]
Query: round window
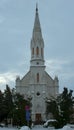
[[38, 93]]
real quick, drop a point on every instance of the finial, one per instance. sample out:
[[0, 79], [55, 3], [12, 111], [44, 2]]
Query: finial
[[36, 7]]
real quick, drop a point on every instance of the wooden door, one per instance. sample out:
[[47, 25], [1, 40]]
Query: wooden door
[[38, 117]]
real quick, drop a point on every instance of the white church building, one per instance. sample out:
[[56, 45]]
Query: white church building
[[37, 83]]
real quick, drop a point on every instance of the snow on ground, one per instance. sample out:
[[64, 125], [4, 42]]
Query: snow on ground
[[4, 128], [38, 127]]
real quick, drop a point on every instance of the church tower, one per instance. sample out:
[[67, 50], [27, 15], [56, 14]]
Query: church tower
[[37, 43], [37, 83], [37, 66]]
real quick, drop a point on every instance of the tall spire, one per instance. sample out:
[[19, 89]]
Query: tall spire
[[37, 28], [37, 43], [36, 7]]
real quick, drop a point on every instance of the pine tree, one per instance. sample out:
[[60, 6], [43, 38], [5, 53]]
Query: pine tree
[[1, 106], [61, 107], [66, 105], [8, 103]]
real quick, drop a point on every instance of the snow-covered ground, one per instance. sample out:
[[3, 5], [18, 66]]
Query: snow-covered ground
[[38, 127], [4, 128]]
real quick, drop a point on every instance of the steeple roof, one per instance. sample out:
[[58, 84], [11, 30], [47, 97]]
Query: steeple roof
[[37, 27], [37, 43], [37, 22]]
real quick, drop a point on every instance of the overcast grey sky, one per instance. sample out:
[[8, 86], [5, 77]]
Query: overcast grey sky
[[16, 26]]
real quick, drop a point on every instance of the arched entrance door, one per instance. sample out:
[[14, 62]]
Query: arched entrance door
[[38, 118]]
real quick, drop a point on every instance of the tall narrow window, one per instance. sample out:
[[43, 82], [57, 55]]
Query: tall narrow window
[[37, 51], [37, 77], [42, 52], [32, 51]]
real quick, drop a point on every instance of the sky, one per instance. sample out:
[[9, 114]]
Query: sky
[[16, 27]]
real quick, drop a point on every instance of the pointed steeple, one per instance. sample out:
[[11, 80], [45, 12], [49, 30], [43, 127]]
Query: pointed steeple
[[37, 43], [37, 27], [36, 7]]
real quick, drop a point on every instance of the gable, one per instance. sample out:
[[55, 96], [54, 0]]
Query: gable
[[25, 80], [48, 79]]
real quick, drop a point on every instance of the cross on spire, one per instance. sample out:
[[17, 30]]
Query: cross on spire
[[36, 7]]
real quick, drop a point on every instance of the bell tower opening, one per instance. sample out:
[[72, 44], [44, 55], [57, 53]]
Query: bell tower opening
[[32, 51], [37, 51]]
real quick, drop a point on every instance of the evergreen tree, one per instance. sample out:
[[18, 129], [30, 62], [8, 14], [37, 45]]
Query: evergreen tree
[[66, 105], [1, 106], [61, 107], [52, 107], [12, 106], [19, 112], [8, 103]]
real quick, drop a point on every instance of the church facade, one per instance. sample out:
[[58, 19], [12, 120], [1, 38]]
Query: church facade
[[37, 83]]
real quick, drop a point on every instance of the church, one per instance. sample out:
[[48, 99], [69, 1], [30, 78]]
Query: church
[[37, 83]]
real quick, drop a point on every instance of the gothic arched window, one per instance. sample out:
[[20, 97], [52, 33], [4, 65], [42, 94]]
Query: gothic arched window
[[37, 51], [32, 51], [37, 77]]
